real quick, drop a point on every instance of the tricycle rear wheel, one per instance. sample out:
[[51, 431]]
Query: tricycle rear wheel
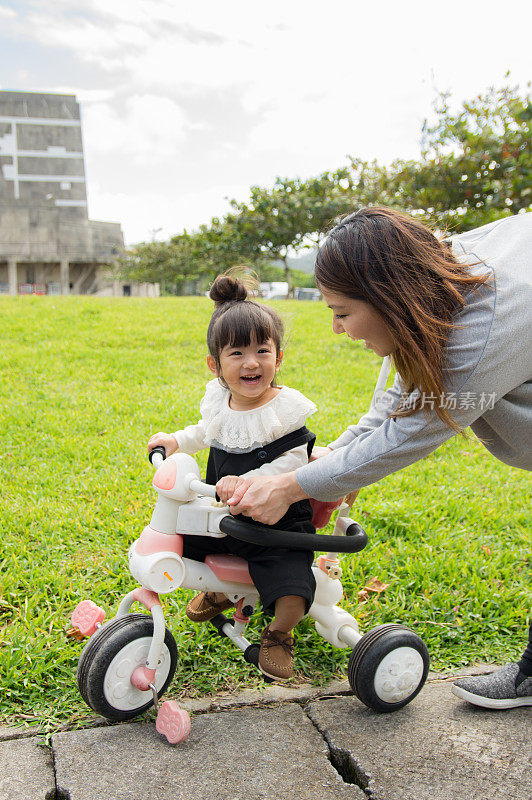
[[388, 667]]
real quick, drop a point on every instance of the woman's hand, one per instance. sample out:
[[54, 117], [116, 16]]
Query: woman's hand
[[319, 452], [165, 440], [266, 499], [226, 486]]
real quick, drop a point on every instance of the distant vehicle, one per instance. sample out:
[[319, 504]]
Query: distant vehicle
[[274, 290], [307, 294]]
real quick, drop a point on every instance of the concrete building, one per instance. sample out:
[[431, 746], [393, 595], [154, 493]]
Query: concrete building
[[48, 245]]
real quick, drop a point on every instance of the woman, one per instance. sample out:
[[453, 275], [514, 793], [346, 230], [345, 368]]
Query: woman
[[456, 318]]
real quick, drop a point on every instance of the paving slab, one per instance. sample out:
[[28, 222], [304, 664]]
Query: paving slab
[[245, 754], [26, 770], [436, 748], [16, 732]]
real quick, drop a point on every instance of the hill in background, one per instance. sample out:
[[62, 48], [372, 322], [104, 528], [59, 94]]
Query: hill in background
[[304, 262]]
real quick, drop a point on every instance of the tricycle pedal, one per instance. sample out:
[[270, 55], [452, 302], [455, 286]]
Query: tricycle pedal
[[173, 722], [86, 619]]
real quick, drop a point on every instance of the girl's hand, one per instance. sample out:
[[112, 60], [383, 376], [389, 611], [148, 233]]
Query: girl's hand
[[226, 486], [163, 440], [319, 452], [266, 499]]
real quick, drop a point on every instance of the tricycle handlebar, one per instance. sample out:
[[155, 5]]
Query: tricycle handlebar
[[159, 453], [199, 487], [354, 540]]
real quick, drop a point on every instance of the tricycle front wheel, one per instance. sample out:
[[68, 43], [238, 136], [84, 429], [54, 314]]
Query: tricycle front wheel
[[109, 659], [388, 667]]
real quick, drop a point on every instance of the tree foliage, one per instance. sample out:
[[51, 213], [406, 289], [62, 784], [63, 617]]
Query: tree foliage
[[278, 222], [166, 263], [476, 164]]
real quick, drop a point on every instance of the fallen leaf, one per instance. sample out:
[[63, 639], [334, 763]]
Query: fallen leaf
[[363, 596], [74, 633], [376, 586]]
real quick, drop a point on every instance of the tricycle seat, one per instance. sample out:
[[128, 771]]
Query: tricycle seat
[[229, 568]]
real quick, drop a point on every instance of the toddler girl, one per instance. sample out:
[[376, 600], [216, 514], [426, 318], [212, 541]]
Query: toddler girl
[[252, 426]]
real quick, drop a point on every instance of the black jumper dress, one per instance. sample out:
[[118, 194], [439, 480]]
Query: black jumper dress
[[275, 571]]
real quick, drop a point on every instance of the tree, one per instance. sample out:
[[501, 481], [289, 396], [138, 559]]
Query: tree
[[476, 164], [149, 262], [195, 256], [169, 263], [276, 223]]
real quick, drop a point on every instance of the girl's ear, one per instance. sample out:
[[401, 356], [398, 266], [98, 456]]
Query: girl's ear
[[279, 360], [211, 363]]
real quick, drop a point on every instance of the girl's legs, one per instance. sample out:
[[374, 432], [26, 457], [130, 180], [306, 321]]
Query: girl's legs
[[276, 655], [289, 610], [286, 585]]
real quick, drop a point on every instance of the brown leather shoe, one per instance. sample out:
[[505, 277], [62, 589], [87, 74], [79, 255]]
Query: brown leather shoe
[[276, 655], [204, 607]]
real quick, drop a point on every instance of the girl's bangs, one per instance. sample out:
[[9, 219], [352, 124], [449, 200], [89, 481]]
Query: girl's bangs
[[242, 324]]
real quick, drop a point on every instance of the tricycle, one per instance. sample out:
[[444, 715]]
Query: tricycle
[[129, 661]]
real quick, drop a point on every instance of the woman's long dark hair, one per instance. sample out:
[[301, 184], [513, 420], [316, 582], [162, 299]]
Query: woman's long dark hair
[[412, 279]]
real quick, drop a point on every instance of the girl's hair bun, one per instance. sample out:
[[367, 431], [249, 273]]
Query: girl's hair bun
[[232, 286]]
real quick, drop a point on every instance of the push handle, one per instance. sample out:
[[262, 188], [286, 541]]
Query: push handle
[[354, 540]]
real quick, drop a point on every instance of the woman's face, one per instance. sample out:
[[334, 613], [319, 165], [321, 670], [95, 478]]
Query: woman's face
[[360, 321]]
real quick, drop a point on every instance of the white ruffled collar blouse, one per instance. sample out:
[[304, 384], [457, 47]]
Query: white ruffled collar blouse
[[242, 431]]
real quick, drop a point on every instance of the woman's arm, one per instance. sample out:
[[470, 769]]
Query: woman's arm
[[365, 459], [483, 365], [248, 496], [266, 499]]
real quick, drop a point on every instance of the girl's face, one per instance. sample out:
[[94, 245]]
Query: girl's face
[[248, 372], [361, 322]]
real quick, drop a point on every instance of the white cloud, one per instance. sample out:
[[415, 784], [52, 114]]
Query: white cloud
[[7, 13], [90, 40], [147, 128], [145, 215], [183, 104]]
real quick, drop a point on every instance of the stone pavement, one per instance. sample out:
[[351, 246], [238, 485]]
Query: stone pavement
[[285, 744]]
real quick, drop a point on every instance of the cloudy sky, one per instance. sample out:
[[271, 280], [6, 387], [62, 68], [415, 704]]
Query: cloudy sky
[[186, 104]]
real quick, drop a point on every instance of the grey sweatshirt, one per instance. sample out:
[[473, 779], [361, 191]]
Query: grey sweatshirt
[[488, 376]]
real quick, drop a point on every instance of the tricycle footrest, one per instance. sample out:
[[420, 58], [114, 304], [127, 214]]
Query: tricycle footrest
[[173, 722], [87, 617]]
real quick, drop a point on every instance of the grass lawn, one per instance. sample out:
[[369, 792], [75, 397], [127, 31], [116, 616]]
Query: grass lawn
[[86, 381]]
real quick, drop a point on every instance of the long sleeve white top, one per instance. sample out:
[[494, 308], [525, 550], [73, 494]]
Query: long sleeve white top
[[243, 431]]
